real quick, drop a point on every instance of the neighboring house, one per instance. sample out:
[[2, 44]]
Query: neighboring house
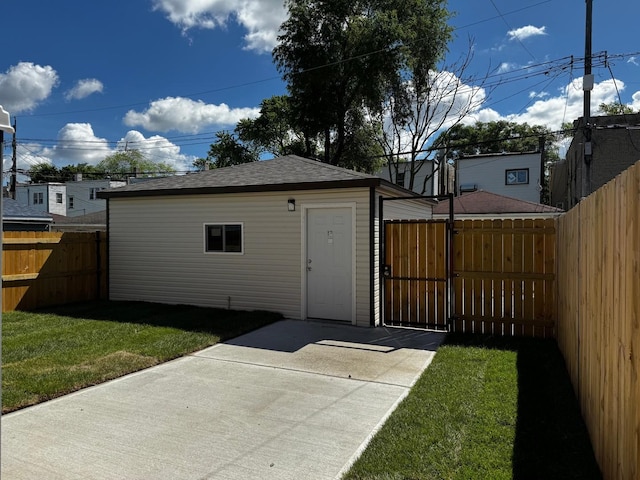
[[18, 217], [70, 199], [43, 197], [481, 204], [425, 180], [515, 175], [614, 147], [290, 235], [430, 179]]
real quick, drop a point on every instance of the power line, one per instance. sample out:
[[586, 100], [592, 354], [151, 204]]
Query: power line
[[272, 78], [511, 29]]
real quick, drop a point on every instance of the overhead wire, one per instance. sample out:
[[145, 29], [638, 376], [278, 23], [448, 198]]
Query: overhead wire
[[615, 84], [511, 30], [272, 78]]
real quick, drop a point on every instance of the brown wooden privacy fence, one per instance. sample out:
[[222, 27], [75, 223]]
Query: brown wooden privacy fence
[[47, 268], [503, 275], [599, 318]]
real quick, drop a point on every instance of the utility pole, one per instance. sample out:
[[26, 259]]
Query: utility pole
[[587, 86], [14, 169]]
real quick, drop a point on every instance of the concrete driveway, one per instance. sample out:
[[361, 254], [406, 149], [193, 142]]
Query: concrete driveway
[[293, 400]]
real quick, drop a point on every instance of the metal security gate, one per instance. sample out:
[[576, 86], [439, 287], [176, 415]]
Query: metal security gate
[[415, 261]]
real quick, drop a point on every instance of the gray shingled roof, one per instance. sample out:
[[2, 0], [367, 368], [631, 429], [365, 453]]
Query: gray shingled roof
[[12, 210], [283, 173]]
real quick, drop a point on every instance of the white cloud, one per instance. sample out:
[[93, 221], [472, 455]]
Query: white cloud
[[186, 115], [25, 85], [261, 18], [538, 94], [507, 67], [553, 111], [84, 88], [635, 104], [450, 98], [27, 155], [526, 32], [157, 149], [77, 143]]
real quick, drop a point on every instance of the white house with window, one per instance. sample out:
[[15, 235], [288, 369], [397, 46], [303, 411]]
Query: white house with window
[[515, 175], [82, 196], [71, 199], [426, 176], [43, 197]]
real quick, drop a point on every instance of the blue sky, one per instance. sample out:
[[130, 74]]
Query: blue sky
[[86, 78]]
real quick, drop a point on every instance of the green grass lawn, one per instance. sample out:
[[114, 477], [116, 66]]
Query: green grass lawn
[[49, 353], [486, 408]]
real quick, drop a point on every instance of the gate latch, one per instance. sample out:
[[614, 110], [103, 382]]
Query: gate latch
[[386, 270]]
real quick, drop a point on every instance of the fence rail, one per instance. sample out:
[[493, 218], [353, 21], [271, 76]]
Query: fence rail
[[599, 318], [41, 269]]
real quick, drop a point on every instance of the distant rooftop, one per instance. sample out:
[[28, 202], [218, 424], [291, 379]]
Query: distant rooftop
[[12, 210], [483, 202]]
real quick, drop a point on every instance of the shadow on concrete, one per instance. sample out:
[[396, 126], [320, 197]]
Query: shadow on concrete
[[292, 335]]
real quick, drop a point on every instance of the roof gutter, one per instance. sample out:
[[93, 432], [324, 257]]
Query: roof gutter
[[283, 187]]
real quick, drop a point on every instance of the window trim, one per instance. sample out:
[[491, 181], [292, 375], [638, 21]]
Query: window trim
[[506, 176], [223, 224], [70, 202], [93, 192], [59, 198]]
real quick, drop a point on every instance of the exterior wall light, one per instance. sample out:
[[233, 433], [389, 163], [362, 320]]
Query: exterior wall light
[[291, 205]]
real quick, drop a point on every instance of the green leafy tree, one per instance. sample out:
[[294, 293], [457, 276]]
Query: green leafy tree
[[498, 137], [89, 172], [340, 57], [274, 130], [43, 173], [614, 108], [228, 150], [121, 165]]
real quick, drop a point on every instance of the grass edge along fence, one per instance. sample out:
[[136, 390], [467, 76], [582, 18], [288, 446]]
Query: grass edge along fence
[[598, 328], [41, 269]]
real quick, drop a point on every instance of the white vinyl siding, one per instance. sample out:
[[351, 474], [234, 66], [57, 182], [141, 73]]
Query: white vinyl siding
[[489, 174], [156, 251]]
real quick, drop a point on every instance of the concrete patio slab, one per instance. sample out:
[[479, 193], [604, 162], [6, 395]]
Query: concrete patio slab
[[289, 401]]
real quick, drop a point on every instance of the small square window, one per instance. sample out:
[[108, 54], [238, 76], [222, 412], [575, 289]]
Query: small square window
[[223, 238], [518, 176], [38, 198]]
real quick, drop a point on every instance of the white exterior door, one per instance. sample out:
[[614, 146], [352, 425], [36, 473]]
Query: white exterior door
[[329, 263]]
